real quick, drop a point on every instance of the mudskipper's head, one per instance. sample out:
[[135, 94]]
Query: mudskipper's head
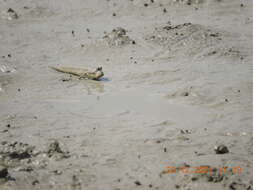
[[99, 73]]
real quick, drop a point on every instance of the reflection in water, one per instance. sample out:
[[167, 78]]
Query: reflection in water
[[93, 86], [104, 79]]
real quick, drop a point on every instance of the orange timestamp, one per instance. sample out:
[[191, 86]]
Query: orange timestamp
[[203, 169]]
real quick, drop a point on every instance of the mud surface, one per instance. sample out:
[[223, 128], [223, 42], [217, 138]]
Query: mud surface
[[172, 111]]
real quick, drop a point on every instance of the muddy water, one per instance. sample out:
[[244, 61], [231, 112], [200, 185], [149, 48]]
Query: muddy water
[[136, 103]]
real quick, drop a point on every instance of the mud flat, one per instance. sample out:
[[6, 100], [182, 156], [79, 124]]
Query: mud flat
[[172, 111]]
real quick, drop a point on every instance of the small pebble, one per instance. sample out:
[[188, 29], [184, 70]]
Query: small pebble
[[35, 182], [57, 172], [137, 183], [221, 149], [186, 94]]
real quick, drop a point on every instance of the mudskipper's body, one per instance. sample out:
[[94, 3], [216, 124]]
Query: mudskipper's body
[[82, 73]]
